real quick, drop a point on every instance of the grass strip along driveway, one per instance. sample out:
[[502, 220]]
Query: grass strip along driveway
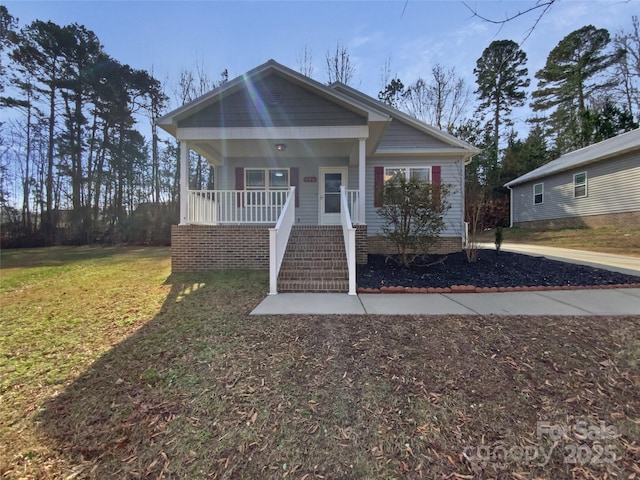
[[112, 368]]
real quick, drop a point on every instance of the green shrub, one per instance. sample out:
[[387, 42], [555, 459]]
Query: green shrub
[[413, 213]]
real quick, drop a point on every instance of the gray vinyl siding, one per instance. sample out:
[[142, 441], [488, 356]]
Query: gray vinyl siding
[[452, 172], [613, 186], [399, 134], [297, 107], [307, 211]]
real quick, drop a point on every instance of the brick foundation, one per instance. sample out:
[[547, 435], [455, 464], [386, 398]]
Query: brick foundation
[[382, 245], [623, 220], [210, 247], [362, 251]]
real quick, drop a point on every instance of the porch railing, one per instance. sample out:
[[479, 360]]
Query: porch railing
[[354, 206], [214, 207], [278, 239], [349, 234]]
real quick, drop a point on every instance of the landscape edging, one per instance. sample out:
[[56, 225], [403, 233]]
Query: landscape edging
[[474, 289]]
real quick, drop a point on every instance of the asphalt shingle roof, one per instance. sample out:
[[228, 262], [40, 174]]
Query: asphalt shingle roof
[[623, 143]]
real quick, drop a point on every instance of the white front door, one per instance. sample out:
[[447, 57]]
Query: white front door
[[331, 178]]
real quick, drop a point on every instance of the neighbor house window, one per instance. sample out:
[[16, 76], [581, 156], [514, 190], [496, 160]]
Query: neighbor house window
[[538, 192], [259, 181], [580, 185], [408, 173]]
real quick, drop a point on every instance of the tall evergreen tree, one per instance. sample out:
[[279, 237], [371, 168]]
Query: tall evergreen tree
[[501, 76], [393, 93], [571, 77], [7, 26], [522, 156], [42, 50]]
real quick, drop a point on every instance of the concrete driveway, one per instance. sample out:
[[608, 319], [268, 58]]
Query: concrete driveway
[[608, 261]]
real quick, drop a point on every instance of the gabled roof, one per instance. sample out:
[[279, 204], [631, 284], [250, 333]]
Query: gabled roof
[[408, 119], [377, 113], [624, 143], [169, 121]]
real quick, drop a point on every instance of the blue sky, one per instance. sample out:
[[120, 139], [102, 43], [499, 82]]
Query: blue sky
[[168, 36]]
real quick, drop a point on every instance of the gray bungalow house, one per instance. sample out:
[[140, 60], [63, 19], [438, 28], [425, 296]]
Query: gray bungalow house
[[595, 186], [297, 167]]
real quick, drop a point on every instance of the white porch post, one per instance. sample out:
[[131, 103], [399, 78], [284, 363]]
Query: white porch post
[[362, 159], [184, 181]]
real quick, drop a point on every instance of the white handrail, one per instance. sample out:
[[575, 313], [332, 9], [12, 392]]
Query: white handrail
[[213, 207], [349, 234], [354, 206], [278, 239]]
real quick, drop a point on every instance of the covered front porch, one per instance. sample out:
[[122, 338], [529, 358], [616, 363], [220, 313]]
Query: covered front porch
[[284, 183], [254, 177], [287, 152]]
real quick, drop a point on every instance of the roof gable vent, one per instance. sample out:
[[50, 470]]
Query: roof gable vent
[[274, 97]]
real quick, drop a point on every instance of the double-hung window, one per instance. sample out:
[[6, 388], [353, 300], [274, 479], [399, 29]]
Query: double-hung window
[[266, 186], [394, 174], [408, 173], [538, 193], [580, 185]]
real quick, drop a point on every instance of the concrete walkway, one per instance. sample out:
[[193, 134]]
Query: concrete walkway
[[620, 301], [608, 261]]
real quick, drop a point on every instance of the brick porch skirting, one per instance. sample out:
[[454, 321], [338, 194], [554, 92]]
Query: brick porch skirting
[[211, 247], [382, 245], [622, 220]]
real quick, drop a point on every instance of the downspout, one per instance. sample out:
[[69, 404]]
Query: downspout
[[510, 206]]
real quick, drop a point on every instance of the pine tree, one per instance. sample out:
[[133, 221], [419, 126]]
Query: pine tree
[[569, 80], [502, 78]]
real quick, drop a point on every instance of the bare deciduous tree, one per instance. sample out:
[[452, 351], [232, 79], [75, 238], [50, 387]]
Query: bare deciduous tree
[[440, 102], [190, 86], [305, 62], [339, 66], [541, 7], [628, 68]]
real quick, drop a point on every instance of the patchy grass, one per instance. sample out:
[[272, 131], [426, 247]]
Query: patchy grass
[[623, 241], [111, 368]]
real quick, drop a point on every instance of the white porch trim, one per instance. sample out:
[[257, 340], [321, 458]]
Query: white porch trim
[[184, 181], [362, 181], [273, 133]]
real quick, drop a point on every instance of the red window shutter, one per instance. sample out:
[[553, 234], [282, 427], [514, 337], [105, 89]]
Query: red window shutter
[[240, 185], [436, 179], [378, 185], [295, 182]]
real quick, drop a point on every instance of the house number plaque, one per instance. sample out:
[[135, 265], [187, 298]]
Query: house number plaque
[[310, 179]]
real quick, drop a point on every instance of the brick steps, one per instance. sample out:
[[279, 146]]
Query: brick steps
[[314, 286], [315, 261], [314, 274]]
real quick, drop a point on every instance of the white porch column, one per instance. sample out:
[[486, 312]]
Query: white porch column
[[184, 181], [362, 159]]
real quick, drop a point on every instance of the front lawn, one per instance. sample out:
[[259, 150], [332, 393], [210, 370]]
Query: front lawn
[[112, 368]]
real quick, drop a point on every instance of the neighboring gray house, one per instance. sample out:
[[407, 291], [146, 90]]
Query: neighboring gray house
[[289, 155], [595, 186]]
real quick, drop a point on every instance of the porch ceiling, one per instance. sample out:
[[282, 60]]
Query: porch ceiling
[[216, 150]]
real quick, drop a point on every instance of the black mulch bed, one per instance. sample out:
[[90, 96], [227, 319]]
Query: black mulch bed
[[491, 270]]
